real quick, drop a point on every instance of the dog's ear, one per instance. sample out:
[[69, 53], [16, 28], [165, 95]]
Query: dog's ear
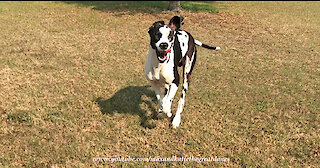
[[152, 32], [160, 22], [155, 24], [151, 29], [176, 22]]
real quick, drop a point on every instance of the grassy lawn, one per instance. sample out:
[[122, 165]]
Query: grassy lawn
[[72, 85]]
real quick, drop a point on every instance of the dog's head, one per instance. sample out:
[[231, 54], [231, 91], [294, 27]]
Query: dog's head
[[162, 36]]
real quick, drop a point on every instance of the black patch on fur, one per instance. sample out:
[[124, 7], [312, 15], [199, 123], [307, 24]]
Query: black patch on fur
[[191, 46], [165, 91], [154, 33], [176, 75], [177, 58], [182, 61], [192, 50], [170, 37], [208, 47]]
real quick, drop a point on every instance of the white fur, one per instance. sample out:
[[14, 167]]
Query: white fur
[[165, 31], [198, 42], [183, 39], [176, 121], [168, 101], [161, 74]]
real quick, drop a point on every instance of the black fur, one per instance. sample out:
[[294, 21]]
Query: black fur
[[152, 32], [208, 47], [177, 59], [177, 21], [165, 91], [191, 49]]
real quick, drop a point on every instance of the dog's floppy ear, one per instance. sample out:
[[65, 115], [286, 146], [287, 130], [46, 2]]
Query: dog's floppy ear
[[176, 22], [152, 32], [151, 28], [158, 23]]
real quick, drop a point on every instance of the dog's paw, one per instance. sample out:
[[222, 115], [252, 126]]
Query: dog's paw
[[169, 114], [176, 122], [166, 109]]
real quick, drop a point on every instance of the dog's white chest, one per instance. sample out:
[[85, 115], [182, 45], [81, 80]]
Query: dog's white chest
[[166, 70], [161, 72]]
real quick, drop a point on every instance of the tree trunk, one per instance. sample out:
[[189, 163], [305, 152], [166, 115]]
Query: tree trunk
[[174, 6]]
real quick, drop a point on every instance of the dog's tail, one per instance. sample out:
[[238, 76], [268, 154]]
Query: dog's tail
[[206, 46]]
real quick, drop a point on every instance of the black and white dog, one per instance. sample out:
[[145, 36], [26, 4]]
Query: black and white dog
[[169, 49]]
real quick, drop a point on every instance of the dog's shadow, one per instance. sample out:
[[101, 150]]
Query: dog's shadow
[[133, 100]]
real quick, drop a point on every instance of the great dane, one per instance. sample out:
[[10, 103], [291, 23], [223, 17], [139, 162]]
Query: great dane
[[169, 49]]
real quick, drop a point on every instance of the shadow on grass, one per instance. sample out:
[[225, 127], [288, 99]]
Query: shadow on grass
[[128, 101], [151, 7], [133, 7]]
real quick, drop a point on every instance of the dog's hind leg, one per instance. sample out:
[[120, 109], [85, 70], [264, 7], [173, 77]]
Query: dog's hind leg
[[187, 69]]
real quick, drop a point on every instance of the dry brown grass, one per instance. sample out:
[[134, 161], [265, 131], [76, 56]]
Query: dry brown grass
[[65, 67]]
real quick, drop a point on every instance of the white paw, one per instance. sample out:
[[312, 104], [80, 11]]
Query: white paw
[[176, 121], [169, 114], [218, 48], [166, 109]]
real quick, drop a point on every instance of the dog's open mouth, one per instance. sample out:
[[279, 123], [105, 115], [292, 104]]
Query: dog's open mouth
[[162, 56]]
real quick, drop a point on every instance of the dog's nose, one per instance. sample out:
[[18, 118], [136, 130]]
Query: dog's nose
[[163, 46]]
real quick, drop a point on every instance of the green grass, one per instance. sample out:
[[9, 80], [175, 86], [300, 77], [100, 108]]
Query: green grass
[[73, 89], [146, 6], [196, 6], [21, 117]]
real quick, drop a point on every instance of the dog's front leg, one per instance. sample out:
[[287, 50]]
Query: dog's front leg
[[166, 92], [169, 98], [157, 91]]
